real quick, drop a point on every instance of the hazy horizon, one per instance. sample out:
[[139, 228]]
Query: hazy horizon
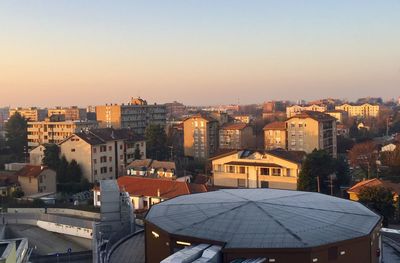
[[71, 52]]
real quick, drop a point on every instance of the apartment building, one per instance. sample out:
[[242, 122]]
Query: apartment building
[[54, 130], [297, 109], [4, 114], [31, 114], [103, 153], [275, 135], [175, 110], [200, 136], [35, 179], [362, 111], [254, 169], [236, 136], [72, 113], [152, 168], [339, 115], [312, 130], [136, 115], [243, 118]]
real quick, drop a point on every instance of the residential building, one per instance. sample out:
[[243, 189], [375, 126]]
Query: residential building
[[72, 113], [35, 179], [31, 114], [4, 114], [340, 115], [8, 183], [242, 118], [236, 136], [362, 111], [145, 192], [312, 130], [175, 110], [261, 225], [220, 116], [36, 155], [54, 131], [136, 115], [343, 130], [297, 109], [253, 169], [200, 136], [103, 153], [357, 188], [152, 168], [275, 135]]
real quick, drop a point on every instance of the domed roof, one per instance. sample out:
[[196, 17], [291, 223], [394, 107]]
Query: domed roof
[[264, 218]]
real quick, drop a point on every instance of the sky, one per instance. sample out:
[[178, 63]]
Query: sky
[[91, 52]]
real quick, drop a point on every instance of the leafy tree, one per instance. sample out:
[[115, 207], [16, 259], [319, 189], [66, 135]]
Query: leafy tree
[[363, 155], [353, 131], [18, 193], [379, 199], [317, 166], [156, 142], [62, 170], [74, 173], [391, 160], [16, 135], [344, 144], [137, 153], [342, 171], [51, 156]]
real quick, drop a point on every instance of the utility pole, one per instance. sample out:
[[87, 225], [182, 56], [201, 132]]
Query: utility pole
[[318, 186]]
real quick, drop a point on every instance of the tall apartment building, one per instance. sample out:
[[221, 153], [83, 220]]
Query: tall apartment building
[[253, 169], [363, 111], [175, 110], [54, 131], [31, 114], [72, 113], [4, 114], [297, 109], [200, 134], [103, 153], [312, 130], [275, 135], [136, 115], [236, 136]]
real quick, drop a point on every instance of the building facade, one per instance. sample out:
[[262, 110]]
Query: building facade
[[102, 153], [247, 169], [297, 109], [72, 113], [363, 111], [340, 115], [31, 114], [136, 115], [275, 135], [200, 136], [35, 179], [48, 131], [312, 130], [236, 136]]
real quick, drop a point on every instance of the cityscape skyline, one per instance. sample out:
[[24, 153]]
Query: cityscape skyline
[[276, 50]]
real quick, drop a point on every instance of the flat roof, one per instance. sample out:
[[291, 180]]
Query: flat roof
[[264, 218]]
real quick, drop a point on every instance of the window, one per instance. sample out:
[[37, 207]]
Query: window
[[231, 169], [94, 161], [103, 159], [72, 150], [95, 172], [103, 170], [241, 183], [103, 148], [110, 169], [264, 184], [110, 148], [110, 159], [276, 172], [120, 147], [264, 171], [242, 170]]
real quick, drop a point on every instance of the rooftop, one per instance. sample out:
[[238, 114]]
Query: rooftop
[[31, 171], [277, 125], [234, 126], [101, 136], [316, 115], [375, 182], [264, 218]]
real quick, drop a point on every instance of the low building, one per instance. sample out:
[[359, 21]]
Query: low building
[[145, 192], [297, 109], [35, 179], [152, 168], [357, 188], [253, 169], [103, 153], [236, 136], [275, 135], [243, 118], [8, 183], [263, 225], [363, 111], [36, 155]]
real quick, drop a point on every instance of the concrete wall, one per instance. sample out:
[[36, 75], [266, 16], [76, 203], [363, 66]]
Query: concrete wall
[[58, 211], [65, 229]]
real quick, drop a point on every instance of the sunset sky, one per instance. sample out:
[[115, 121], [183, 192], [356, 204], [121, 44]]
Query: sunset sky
[[81, 52]]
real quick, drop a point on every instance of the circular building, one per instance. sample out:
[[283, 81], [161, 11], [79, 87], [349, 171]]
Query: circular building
[[275, 225]]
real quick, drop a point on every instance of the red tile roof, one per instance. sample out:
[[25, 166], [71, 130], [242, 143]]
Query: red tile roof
[[277, 125], [375, 182], [234, 126], [31, 171], [139, 186]]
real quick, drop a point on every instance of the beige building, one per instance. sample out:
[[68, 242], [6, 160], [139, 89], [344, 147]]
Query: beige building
[[102, 153], [31, 114], [136, 115], [47, 131], [339, 115], [364, 111], [242, 118], [297, 109], [72, 113], [236, 136], [312, 130], [200, 136], [275, 135], [35, 179], [247, 169], [36, 155]]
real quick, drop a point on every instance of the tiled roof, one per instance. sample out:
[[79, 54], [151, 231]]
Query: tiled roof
[[31, 171], [234, 126], [153, 164], [316, 115], [139, 163], [139, 186], [258, 164], [100, 136], [277, 125], [201, 115], [294, 156], [375, 182]]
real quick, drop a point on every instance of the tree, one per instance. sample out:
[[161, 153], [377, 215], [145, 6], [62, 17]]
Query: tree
[[137, 153], [74, 173], [363, 155], [379, 199], [62, 170], [344, 144], [391, 160], [156, 142], [317, 166], [342, 171], [16, 135], [51, 156]]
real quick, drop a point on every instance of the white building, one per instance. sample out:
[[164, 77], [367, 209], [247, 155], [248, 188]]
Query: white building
[[297, 109]]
